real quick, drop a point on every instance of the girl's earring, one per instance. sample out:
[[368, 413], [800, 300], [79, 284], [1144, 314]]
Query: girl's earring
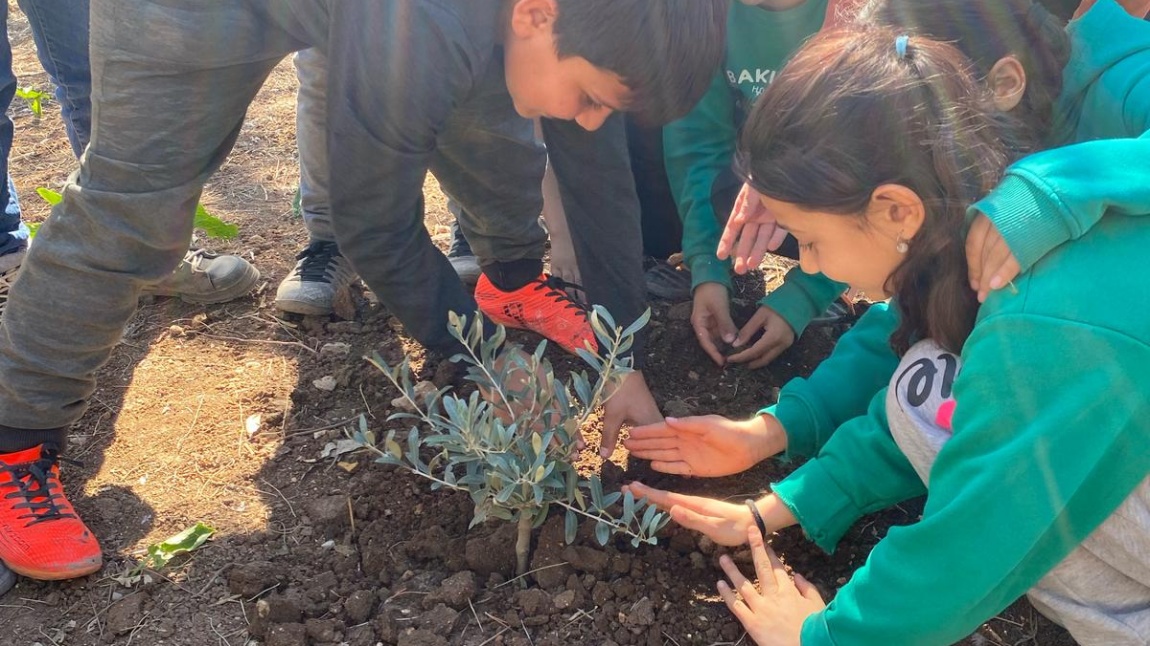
[[901, 245]]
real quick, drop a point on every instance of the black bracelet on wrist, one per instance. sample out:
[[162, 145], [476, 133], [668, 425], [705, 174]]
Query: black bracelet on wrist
[[758, 518]]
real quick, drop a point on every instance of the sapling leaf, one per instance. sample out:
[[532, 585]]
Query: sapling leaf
[[628, 507], [638, 324], [602, 532], [570, 527]]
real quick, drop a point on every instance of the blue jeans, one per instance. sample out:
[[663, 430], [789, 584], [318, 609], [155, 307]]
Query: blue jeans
[[10, 238], [60, 31]]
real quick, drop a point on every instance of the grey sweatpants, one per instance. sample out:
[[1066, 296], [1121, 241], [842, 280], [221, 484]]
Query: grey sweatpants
[[171, 84], [1101, 591]]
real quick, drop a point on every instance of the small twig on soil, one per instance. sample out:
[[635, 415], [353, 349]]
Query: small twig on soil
[[338, 424], [238, 339], [493, 637], [365, 404], [545, 567], [261, 592], [47, 636], [282, 496], [497, 620], [217, 632], [351, 514], [137, 627], [671, 638], [212, 580], [476, 615], [583, 614], [524, 627], [401, 593]]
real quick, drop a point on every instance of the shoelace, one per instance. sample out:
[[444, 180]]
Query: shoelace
[[35, 484], [557, 289], [316, 257]]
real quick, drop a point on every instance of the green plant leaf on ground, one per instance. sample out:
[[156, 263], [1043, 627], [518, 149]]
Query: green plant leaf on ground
[[48, 195], [35, 99], [213, 226], [191, 538]]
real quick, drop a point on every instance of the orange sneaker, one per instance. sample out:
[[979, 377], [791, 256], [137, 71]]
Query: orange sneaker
[[41, 537], [541, 306]]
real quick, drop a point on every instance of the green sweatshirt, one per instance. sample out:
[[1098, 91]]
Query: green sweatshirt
[[1044, 200], [1051, 425], [1055, 436], [699, 149]]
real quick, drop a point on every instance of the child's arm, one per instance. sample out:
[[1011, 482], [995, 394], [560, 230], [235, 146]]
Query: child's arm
[[1057, 195], [697, 150], [841, 386], [802, 297], [1039, 458], [1053, 197], [859, 470]]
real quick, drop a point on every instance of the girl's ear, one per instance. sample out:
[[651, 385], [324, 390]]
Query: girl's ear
[[897, 211], [1007, 83]]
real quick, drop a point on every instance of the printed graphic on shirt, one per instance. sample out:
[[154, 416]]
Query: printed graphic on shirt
[[920, 403], [751, 82]]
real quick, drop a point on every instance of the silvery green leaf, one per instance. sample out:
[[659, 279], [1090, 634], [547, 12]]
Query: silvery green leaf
[[596, 488], [570, 527], [502, 513], [649, 516], [635, 541], [638, 324], [611, 498], [628, 507], [541, 516], [602, 532], [505, 494]]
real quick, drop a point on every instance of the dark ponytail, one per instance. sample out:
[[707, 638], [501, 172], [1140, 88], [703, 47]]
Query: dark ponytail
[[849, 114]]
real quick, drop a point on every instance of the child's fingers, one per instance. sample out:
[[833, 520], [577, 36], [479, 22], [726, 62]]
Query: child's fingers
[[744, 586], [975, 241], [763, 567], [737, 608], [807, 589], [677, 468]]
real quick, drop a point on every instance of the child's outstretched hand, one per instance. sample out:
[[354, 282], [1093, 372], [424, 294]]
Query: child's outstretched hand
[[772, 614], [991, 263], [725, 523], [750, 233], [709, 446]]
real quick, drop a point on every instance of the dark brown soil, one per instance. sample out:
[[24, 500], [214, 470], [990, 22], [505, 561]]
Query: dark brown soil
[[212, 414]]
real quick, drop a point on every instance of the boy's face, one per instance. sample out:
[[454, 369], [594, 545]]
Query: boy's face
[[542, 85]]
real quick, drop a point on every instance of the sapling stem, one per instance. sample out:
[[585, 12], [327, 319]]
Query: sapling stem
[[523, 541]]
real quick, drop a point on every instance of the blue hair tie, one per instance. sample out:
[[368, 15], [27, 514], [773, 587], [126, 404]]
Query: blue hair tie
[[900, 44]]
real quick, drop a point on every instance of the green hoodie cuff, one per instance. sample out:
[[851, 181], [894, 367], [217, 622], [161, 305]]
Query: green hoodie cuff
[[802, 297], [822, 508], [1030, 217], [708, 270], [800, 421], [815, 631]]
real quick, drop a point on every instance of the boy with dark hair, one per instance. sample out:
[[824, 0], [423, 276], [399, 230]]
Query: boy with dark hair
[[415, 85]]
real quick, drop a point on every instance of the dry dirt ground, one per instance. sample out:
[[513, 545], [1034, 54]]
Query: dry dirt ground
[[211, 414]]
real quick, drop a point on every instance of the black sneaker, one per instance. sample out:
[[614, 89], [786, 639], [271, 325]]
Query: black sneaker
[[319, 274]]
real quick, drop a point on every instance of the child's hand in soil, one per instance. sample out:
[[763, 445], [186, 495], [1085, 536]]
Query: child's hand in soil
[[630, 403], [777, 337], [708, 446], [711, 318], [990, 261], [773, 614]]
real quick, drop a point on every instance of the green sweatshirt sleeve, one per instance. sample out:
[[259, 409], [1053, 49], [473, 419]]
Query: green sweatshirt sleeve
[[802, 297], [1055, 196], [696, 151], [859, 470], [841, 386], [1040, 456]]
